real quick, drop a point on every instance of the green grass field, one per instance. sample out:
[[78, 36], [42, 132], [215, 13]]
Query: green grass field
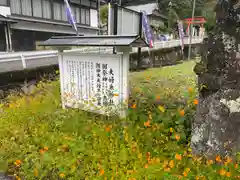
[[39, 140]]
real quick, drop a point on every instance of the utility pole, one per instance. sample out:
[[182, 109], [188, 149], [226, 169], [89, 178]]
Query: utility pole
[[190, 40], [169, 11]]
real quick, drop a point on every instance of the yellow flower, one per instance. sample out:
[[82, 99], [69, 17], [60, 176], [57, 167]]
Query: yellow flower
[[35, 171], [187, 170], [73, 167], [228, 161], [171, 164], [171, 130], [61, 175], [161, 108]]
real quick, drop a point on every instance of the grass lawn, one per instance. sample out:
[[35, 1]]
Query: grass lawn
[[39, 140]]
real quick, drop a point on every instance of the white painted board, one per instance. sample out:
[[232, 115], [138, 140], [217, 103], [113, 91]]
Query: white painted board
[[94, 82]]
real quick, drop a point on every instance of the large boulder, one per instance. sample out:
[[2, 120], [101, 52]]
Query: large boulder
[[216, 128]]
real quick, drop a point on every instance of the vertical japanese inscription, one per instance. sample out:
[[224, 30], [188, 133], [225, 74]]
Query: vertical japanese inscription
[[111, 86], [98, 94], [104, 84], [92, 78]]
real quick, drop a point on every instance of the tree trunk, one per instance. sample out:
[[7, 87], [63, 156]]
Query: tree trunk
[[216, 128]]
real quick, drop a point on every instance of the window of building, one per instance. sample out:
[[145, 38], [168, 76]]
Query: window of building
[[57, 11], [26, 7], [78, 15], [64, 15], [15, 6], [37, 8], [85, 2], [3, 2], [87, 16], [93, 4], [46, 9], [83, 16], [75, 1]]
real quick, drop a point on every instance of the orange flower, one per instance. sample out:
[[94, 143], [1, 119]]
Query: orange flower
[[228, 174], [61, 175], [222, 172], [167, 169], [178, 157], [101, 172], [45, 148], [18, 162], [158, 97], [185, 174], [218, 159], [147, 124], [134, 106], [146, 166], [41, 151], [190, 89], [182, 112], [17, 178], [209, 162], [177, 137], [236, 166], [195, 102], [108, 129]]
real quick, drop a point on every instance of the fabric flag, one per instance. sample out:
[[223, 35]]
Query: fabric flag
[[147, 29], [70, 17], [181, 34]]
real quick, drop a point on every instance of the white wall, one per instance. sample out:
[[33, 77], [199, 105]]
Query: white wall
[[5, 11], [94, 18]]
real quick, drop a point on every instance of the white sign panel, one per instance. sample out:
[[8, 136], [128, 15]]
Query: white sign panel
[[94, 82]]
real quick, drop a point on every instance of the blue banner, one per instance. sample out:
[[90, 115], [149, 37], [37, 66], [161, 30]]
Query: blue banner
[[70, 17], [146, 29]]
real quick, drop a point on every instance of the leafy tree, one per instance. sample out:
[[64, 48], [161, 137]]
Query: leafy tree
[[104, 14], [175, 9]]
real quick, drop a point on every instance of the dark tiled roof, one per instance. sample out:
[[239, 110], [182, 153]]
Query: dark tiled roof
[[134, 41]]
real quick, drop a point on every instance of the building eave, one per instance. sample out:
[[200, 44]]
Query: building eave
[[29, 19]]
